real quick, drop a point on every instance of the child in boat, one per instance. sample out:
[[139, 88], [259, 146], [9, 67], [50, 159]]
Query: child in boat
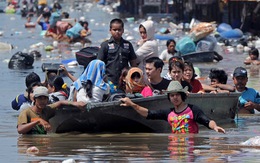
[[117, 53], [57, 89], [250, 98], [183, 117], [253, 57], [134, 80], [218, 82], [91, 86], [189, 76], [169, 52]]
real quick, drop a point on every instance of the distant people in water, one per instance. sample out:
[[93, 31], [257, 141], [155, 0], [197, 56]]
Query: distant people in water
[[218, 82], [250, 98], [253, 57]]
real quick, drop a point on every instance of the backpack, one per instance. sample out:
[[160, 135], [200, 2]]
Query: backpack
[[86, 55]]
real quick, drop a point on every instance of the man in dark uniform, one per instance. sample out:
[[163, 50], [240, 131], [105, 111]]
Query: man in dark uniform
[[116, 52]]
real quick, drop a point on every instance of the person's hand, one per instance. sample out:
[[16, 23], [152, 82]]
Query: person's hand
[[249, 105], [65, 71], [219, 129], [80, 104], [126, 102], [45, 124]]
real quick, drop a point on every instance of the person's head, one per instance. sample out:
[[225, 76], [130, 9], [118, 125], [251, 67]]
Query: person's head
[[254, 54], [121, 82], [46, 16], [171, 46], [176, 93], [30, 90], [142, 32], [134, 80], [240, 78], [147, 30], [41, 97], [55, 84], [176, 68], [32, 78], [29, 18], [153, 67], [218, 76], [65, 15], [189, 72], [85, 25], [116, 28]]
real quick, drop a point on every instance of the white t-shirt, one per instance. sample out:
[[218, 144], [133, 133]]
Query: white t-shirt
[[165, 56], [97, 94]]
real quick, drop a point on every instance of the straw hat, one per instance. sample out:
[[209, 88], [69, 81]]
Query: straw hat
[[175, 86]]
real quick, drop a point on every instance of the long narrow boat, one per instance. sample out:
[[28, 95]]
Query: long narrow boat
[[110, 117]]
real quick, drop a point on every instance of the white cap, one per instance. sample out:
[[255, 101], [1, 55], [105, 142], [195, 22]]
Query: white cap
[[40, 91], [82, 18]]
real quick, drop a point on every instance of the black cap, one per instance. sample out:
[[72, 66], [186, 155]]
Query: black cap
[[240, 71]]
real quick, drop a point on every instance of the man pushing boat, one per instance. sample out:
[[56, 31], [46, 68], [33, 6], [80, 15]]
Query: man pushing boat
[[182, 117]]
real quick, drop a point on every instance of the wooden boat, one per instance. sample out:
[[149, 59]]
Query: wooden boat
[[110, 117], [203, 56]]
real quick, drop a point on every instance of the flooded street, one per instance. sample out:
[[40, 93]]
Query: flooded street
[[207, 146]]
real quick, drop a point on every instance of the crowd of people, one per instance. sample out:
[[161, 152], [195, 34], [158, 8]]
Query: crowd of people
[[120, 69], [57, 24]]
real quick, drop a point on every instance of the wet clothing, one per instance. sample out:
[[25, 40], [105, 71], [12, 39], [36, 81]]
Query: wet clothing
[[18, 101], [44, 25], [183, 122], [116, 57], [27, 116], [249, 94], [74, 32], [149, 48]]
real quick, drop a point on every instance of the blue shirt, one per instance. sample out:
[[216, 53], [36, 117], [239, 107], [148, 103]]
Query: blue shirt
[[247, 95]]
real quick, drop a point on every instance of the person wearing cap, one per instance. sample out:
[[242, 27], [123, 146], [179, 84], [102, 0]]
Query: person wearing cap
[[250, 98], [182, 117], [34, 120]]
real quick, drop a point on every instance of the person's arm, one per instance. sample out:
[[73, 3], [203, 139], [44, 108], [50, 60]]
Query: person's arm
[[133, 63], [78, 104], [214, 126], [73, 78], [26, 127], [141, 110], [102, 52], [39, 19], [201, 118], [225, 87]]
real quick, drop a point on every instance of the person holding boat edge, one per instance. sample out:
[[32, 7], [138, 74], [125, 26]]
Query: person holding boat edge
[[250, 98], [182, 117]]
